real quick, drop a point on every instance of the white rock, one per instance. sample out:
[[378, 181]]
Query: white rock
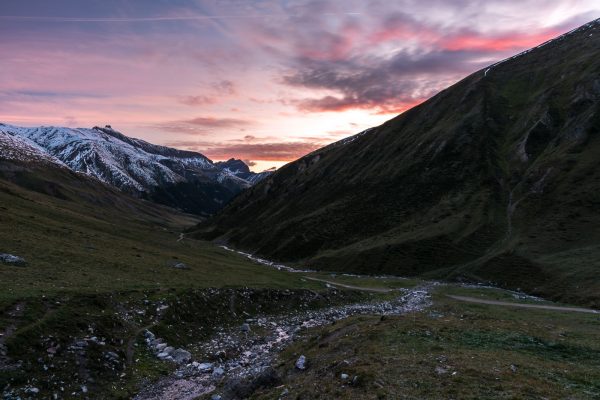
[[301, 363], [181, 355], [205, 367]]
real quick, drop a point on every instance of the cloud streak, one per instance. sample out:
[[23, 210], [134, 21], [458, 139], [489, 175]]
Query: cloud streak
[[202, 125], [270, 151], [40, 18]]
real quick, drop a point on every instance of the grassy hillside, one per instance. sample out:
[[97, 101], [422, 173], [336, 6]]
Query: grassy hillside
[[494, 179], [78, 235]]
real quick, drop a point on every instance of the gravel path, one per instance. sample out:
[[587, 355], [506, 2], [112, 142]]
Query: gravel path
[[361, 288], [524, 305]]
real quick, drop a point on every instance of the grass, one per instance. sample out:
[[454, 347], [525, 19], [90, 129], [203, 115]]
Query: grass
[[71, 247], [453, 350], [383, 282]]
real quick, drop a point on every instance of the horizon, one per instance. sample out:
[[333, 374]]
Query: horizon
[[266, 85]]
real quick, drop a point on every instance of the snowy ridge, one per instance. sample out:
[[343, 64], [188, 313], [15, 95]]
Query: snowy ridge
[[352, 138], [589, 26], [344, 141], [132, 165], [13, 147]]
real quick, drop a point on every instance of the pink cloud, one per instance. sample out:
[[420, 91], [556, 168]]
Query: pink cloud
[[473, 41]]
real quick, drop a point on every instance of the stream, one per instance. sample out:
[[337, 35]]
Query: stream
[[247, 352]]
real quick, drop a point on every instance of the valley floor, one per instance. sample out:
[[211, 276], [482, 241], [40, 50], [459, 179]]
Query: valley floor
[[361, 337]]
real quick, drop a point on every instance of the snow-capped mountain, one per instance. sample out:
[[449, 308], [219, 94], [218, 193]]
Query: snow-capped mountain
[[240, 169], [183, 179]]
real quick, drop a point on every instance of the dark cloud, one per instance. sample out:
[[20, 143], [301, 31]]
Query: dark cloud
[[201, 125], [197, 100], [422, 56], [213, 122], [217, 90], [393, 83], [224, 87], [249, 163]]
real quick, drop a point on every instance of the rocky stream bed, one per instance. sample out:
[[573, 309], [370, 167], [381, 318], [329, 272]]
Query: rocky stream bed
[[241, 358]]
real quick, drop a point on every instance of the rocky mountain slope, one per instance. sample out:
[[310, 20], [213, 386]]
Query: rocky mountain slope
[[496, 178], [182, 179]]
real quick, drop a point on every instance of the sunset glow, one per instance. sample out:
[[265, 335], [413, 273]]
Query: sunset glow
[[263, 81]]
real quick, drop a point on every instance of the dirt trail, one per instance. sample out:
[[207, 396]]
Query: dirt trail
[[130, 348], [14, 314], [361, 288], [523, 305]]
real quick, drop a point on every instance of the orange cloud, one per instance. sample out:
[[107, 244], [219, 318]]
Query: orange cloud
[[275, 151]]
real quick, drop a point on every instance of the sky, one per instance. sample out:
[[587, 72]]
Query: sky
[[265, 81]]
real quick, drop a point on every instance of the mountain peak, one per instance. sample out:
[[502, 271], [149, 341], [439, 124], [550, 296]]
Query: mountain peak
[[235, 165], [179, 178]]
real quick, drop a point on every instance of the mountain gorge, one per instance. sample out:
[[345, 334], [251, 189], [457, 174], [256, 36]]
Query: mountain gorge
[[495, 179], [182, 179]]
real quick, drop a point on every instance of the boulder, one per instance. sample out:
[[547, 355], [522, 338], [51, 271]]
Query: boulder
[[205, 367], [301, 363], [181, 356], [10, 259]]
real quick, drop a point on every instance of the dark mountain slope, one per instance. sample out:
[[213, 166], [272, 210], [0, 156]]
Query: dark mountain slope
[[496, 178], [75, 194]]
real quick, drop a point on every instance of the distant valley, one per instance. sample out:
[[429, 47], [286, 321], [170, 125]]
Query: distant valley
[[452, 252]]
